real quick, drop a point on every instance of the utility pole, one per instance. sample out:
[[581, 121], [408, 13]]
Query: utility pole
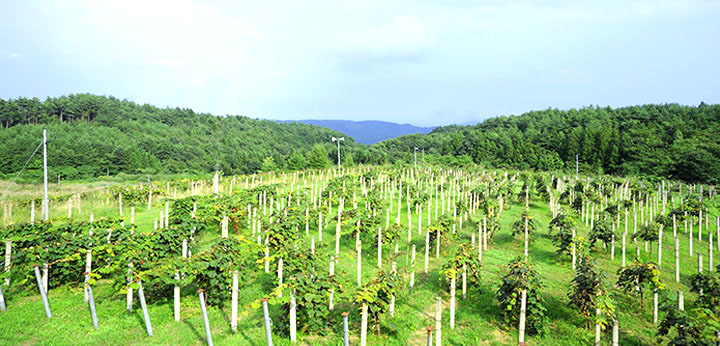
[[415, 157], [577, 166], [335, 139], [46, 211]]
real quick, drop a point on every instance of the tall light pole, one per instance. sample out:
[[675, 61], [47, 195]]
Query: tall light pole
[[423, 155], [336, 139], [46, 211], [415, 157], [577, 165]]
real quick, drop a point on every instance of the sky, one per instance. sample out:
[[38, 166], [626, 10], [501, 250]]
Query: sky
[[408, 61]]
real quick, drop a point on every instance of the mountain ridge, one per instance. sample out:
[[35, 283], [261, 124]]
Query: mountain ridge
[[366, 131]]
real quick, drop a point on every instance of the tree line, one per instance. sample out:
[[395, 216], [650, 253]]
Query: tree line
[[656, 141], [90, 136], [93, 135]]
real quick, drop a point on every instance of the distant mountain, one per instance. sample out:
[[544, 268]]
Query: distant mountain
[[367, 132]]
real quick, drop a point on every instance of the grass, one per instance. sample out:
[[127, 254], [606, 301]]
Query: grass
[[477, 318]]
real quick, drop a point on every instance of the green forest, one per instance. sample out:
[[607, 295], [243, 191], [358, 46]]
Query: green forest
[[92, 135], [655, 141]]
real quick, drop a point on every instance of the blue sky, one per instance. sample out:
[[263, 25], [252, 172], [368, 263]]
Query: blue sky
[[419, 62]]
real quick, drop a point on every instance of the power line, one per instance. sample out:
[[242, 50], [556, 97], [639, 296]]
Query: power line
[[21, 170]]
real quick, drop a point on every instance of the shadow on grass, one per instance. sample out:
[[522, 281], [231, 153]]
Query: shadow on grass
[[558, 309], [484, 303], [194, 331], [141, 321], [545, 255]]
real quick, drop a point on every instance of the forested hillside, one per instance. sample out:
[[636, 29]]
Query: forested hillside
[[93, 135], [680, 142]]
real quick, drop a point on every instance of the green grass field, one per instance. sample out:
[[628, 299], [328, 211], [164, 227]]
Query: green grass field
[[478, 321]]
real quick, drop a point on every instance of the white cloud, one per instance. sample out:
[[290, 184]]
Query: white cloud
[[402, 34], [9, 55], [172, 63]]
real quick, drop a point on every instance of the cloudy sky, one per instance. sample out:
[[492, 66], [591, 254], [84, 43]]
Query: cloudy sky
[[414, 61]]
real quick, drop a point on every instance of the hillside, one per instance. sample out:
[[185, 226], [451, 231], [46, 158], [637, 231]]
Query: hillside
[[96, 135], [369, 131], [670, 140]]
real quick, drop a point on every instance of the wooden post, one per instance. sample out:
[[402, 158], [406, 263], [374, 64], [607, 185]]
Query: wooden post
[[337, 228], [690, 238], [700, 223], [363, 325], [88, 268], [523, 307], [574, 251], [358, 249], [45, 278], [420, 220], [293, 319], [681, 301], [176, 295], [346, 331], [267, 322], [2, 301], [452, 302], [331, 301], [8, 258], [427, 250], [485, 236], [612, 244], [392, 304], [280, 274], [437, 244], [43, 293], [143, 306], [412, 265], [438, 321], [320, 227], [677, 259], [659, 254], [234, 303], [526, 228], [717, 231], [224, 227], [624, 247], [655, 307], [616, 333], [710, 251], [307, 221], [480, 244], [267, 257], [129, 296], [598, 329], [464, 281], [379, 248]]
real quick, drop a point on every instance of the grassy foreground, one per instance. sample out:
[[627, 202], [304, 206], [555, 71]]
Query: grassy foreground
[[477, 320]]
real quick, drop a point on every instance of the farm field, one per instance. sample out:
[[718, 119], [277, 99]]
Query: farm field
[[256, 222]]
